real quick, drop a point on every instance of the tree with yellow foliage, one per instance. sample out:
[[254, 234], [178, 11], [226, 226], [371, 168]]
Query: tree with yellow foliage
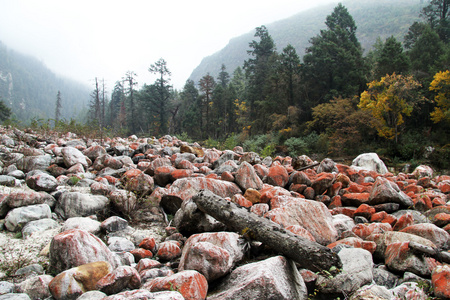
[[390, 100], [441, 86]]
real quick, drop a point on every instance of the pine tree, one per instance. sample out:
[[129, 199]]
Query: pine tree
[[130, 79], [391, 59], [207, 84], [191, 118], [159, 94], [333, 64], [258, 69], [58, 107]]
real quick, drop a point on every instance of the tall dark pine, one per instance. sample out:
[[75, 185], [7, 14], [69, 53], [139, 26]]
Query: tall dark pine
[[117, 99], [391, 59], [161, 93], [95, 106], [333, 64], [58, 107], [224, 77], [192, 122], [290, 69], [130, 79], [437, 15], [207, 84], [257, 70]]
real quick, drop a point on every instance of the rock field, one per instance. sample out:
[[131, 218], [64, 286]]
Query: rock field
[[122, 218]]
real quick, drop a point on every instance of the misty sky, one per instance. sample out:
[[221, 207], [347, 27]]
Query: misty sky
[[85, 39]]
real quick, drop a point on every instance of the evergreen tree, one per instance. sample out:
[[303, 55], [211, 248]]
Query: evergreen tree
[[426, 53], [207, 84], [437, 16], [58, 107], [191, 117], [391, 59], [159, 94], [5, 111], [223, 78], [258, 69], [95, 106], [333, 64], [117, 99], [290, 68], [131, 115]]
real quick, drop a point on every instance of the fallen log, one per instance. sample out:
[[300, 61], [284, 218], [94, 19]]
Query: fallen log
[[307, 254]]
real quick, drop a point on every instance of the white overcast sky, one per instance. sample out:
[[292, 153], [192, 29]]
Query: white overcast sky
[[84, 39]]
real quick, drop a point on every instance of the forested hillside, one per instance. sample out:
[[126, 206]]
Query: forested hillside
[[29, 88], [374, 18]]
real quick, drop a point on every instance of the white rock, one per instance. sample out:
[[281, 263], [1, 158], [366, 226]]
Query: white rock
[[357, 271], [22, 215], [370, 162]]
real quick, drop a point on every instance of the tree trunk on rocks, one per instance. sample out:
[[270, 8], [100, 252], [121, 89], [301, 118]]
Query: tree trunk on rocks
[[309, 255]]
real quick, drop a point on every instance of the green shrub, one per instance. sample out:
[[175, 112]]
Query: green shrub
[[230, 142], [307, 145]]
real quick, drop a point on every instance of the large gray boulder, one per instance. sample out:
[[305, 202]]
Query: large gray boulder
[[357, 272], [73, 156], [279, 275], [38, 226], [76, 204], [18, 217]]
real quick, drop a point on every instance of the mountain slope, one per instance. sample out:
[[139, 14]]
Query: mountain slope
[[30, 88], [374, 18]]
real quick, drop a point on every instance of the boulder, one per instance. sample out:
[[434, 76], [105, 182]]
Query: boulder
[[191, 284], [120, 244], [113, 224], [408, 290], [440, 280], [18, 217], [73, 156], [169, 250], [438, 236], [386, 191], [93, 152], [122, 277], [327, 165], [7, 180], [30, 163], [273, 278], [35, 287], [246, 177], [186, 188], [42, 182], [356, 272], [92, 295], [312, 215], [25, 197], [76, 204], [15, 296], [76, 247], [278, 175], [190, 220], [83, 223], [212, 254], [38, 226], [399, 257], [144, 294], [123, 201], [72, 283], [374, 292], [370, 162]]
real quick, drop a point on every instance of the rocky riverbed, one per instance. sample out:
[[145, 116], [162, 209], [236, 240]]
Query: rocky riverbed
[[122, 219]]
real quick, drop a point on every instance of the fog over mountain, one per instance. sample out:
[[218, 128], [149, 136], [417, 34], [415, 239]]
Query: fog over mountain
[[374, 18]]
